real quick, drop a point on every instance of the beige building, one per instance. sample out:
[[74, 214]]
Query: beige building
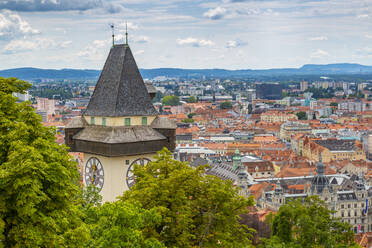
[[289, 129], [332, 149], [276, 116]]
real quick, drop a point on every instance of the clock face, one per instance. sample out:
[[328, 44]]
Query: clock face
[[130, 176], [94, 173]]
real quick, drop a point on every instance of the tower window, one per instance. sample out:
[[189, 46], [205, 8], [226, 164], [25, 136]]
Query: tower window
[[103, 121], [127, 121], [92, 120], [144, 120]]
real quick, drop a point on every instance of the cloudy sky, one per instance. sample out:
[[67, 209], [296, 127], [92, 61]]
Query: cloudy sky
[[231, 34]]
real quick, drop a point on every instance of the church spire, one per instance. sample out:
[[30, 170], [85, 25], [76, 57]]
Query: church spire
[[320, 167], [320, 181]]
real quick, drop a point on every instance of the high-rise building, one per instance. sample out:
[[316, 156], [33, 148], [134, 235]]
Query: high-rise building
[[304, 85], [120, 127], [270, 91]]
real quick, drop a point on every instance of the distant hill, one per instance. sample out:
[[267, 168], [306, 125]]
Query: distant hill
[[306, 70]]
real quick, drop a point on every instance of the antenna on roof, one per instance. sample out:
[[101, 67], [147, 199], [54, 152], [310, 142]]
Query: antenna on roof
[[113, 33], [126, 33]]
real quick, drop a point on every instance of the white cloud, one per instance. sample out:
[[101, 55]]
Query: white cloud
[[363, 16], [187, 41], [216, 13], [195, 42], [206, 43], [235, 43], [131, 26], [95, 51], [139, 52], [231, 44], [319, 54], [319, 38], [141, 39], [29, 45], [65, 44], [12, 25]]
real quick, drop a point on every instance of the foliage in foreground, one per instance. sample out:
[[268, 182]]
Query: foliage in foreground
[[196, 210], [38, 180], [308, 224]]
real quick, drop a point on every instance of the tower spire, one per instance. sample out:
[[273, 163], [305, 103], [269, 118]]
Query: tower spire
[[113, 34], [126, 33]]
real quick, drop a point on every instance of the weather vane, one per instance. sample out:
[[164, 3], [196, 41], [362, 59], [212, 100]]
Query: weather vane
[[113, 34]]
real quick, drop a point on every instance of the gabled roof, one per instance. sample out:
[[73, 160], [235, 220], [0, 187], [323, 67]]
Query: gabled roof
[[120, 90]]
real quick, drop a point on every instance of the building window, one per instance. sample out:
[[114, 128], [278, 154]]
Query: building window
[[144, 120], [92, 120], [127, 121], [103, 121]]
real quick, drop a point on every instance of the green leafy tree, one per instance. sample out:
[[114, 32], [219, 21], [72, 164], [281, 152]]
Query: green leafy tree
[[192, 99], [301, 115], [188, 120], [171, 100], [122, 224], [333, 104], [321, 93], [38, 179], [190, 115], [308, 224], [226, 105], [250, 108], [197, 210]]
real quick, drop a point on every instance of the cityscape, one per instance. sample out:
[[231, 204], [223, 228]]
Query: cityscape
[[125, 156]]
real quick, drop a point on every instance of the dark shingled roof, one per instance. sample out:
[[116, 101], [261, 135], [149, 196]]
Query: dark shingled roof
[[337, 145], [120, 90], [118, 135]]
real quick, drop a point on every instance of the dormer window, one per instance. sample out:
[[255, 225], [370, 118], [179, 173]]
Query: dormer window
[[144, 120], [127, 121], [92, 120]]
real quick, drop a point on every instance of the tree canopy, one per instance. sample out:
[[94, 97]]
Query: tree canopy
[[197, 210], [308, 224], [301, 115], [171, 100], [192, 99], [122, 224], [38, 179], [226, 105]]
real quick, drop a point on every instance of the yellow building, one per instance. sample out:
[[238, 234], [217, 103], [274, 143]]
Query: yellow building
[[120, 127], [333, 149], [276, 116]]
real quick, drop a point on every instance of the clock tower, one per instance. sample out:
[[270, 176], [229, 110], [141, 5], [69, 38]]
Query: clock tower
[[120, 127]]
